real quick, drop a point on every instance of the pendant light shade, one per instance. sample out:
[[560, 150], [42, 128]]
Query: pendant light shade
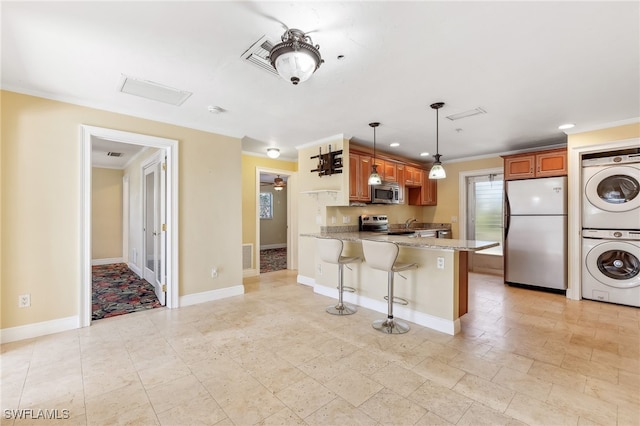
[[437, 171], [296, 58], [374, 177]]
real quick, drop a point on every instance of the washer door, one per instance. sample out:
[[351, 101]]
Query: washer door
[[614, 189], [615, 263]]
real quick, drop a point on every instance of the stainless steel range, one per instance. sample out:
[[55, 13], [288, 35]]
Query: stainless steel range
[[373, 223]]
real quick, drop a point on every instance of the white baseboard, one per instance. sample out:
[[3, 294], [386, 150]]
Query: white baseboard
[[209, 296], [107, 261], [135, 269], [250, 273], [38, 329], [273, 246], [407, 314], [301, 279]]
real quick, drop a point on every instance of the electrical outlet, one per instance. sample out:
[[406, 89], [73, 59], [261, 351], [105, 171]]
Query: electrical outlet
[[333, 220], [24, 301], [440, 263], [454, 219], [319, 268], [214, 272], [346, 219]]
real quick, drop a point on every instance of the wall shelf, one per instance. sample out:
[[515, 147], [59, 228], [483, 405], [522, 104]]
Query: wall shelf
[[316, 193]]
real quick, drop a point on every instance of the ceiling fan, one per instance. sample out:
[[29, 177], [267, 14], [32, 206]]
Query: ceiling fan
[[278, 183]]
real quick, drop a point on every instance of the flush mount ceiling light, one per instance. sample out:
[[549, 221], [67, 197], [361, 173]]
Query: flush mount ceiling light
[[394, 144], [374, 177], [273, 152], [296, 58], [437, 171]]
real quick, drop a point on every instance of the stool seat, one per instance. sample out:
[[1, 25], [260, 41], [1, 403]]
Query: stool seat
[[383, 255], [330, 251]]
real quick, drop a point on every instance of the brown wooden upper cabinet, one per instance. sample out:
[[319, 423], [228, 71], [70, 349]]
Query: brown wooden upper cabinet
[[538, 164], [426, 194], [415, 186], [412, 176], [359, 171]]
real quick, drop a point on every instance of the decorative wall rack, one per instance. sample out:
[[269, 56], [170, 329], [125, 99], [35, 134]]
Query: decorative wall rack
[[328, 163]]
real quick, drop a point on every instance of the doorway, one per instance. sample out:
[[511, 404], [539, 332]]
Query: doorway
[[168, 234], [481, 216], [275, 198]]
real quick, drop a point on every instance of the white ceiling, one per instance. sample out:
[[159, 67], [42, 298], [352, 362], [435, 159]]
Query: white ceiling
[[531, 65]]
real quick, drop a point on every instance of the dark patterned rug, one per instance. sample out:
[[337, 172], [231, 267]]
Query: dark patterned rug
[[117, 290], [273, 259]]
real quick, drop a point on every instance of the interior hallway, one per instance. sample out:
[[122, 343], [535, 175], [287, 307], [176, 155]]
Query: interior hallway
[[273, 356]]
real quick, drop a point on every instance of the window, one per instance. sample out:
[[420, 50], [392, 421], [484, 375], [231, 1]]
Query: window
[[485, 210], [266, 205]]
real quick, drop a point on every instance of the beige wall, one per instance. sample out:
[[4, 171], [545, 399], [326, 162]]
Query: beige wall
[[449, 191], [611, 134], [41, 208], [106, 213], [249, 165], [274, 231], [312, 208]]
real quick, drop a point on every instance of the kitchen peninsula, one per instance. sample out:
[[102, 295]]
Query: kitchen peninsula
[[436, 291]]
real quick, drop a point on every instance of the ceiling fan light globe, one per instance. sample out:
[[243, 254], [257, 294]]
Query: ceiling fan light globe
[[295, 66]]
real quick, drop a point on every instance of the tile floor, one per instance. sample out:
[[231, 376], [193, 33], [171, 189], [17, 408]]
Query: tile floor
[[273, 356]]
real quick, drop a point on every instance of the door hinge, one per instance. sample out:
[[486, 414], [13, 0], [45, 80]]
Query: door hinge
[[164, 166], [164, 227], [164, 288]]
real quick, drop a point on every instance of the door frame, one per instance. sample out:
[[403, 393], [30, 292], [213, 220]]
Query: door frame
[[462, 196], [87, 133], [292, 217], [155, 164]]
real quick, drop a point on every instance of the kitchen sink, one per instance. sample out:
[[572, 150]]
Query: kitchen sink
[[425, 234], [401, 232]]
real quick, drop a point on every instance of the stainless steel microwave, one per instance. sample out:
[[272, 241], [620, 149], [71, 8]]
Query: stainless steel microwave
[[385, 193]]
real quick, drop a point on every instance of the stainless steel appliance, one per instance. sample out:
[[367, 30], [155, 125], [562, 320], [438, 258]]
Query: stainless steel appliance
[[536, 232], [611, 271], [385, 193], [611, 192], [373, 223]]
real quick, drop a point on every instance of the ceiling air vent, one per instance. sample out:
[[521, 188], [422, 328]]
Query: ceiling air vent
[[114, 154], [153, 91], [258, 54], [465, 114]]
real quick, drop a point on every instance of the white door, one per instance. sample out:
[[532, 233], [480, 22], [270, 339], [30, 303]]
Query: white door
[[154, 236]]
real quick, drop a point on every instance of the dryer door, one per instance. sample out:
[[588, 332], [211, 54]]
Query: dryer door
[[615, 263], [615, 189]]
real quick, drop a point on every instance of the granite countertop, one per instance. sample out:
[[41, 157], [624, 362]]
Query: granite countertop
[[408, 241]]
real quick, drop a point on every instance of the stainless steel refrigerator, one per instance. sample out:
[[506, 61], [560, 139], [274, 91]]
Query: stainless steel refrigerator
[[536, 232]]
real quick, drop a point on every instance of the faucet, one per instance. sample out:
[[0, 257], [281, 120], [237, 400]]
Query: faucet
[[408, 223]]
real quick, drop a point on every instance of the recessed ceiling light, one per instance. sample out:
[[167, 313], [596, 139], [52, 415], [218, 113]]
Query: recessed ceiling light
[[394, 144], [424, 154], [340, 57], [566, 126]]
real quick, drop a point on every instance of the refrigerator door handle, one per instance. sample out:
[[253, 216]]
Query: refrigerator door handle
[[507, 215]]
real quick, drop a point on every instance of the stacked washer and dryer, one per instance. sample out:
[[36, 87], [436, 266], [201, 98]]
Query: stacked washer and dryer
[[611, 228]]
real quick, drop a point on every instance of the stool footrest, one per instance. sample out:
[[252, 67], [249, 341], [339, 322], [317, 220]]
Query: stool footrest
[[348, 289], [398, 300]]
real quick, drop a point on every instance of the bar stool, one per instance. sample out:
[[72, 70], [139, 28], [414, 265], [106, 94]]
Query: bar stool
[[330, 251], [382, 255]]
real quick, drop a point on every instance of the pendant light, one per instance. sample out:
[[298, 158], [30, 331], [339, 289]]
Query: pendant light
[[437, 171], [374, 177]]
